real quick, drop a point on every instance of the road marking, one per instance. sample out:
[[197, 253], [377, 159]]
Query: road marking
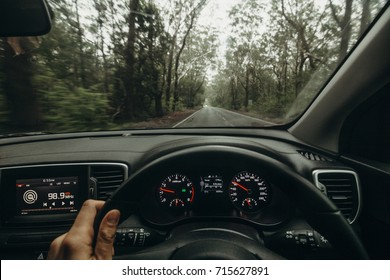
[[179, 123], [220, 115], [241, 115], [216, 109]]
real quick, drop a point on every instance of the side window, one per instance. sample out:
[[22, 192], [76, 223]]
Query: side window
[[366, 132]]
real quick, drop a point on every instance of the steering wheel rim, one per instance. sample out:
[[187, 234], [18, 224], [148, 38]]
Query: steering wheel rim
[[319, 211]]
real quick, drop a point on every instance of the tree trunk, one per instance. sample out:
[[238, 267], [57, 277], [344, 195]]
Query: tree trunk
[[366, 16], [80, 47], [158, 99], [233, 94], [246, 88], [177, 61], [18, 87], [344, 24], [129, 103], [105, 63], [158, 105], [345, 30], [169, 72]]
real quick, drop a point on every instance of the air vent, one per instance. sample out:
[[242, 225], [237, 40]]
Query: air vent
[[342, 187], [108, 178], [313, 156]]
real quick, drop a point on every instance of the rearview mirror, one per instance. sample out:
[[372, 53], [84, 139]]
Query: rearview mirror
[[24, 18]]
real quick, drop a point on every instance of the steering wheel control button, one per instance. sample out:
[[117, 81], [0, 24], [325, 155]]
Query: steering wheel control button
[[137, 237], [299, 243], [304, 238]]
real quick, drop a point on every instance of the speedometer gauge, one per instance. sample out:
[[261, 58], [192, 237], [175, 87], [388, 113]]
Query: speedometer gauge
[[176, 192], [249, 192]]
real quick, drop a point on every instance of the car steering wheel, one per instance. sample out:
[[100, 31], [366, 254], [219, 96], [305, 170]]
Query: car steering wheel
[[221, 241]]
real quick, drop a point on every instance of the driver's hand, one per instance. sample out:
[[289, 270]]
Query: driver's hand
[[77, 244]]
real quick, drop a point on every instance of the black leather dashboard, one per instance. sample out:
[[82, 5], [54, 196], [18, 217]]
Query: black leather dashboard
[[63, 158]]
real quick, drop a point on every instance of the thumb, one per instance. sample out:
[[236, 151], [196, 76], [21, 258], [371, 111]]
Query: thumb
[[106, 236]]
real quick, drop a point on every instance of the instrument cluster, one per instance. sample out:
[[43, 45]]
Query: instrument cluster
[[248, 192], [240, 195]]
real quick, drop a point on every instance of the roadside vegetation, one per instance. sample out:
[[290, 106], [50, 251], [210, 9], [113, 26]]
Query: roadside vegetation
[[119, 64]]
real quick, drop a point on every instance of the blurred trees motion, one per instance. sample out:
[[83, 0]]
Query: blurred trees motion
[[107, 63], [272, 55]]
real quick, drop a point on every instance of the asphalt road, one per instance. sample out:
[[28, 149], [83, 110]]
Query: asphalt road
[[217, 117]]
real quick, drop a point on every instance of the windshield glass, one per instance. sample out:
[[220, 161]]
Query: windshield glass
[[112, 65]]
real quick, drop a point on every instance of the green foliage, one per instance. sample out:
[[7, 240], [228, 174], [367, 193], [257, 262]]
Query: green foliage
[[74, 110], [197, 58], [271, 57], [4, 121], [3, 102], [152, 46], [272, 106], [86, 77], [68, 108]]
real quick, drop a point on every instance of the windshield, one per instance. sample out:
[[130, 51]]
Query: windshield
[[112, 65]]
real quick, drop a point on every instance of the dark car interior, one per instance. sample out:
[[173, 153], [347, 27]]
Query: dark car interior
[[317, 188]]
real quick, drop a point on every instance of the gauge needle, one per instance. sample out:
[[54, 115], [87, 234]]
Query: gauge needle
[[166, 190], [248, 201], [241, 186]]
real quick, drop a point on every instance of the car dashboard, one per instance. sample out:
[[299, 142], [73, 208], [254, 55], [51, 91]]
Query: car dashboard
[[46, 179]]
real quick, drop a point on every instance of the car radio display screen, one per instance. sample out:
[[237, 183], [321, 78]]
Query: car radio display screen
[[37, 196]]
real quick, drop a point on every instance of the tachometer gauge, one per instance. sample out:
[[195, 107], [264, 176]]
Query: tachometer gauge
[[249, 192], [176, 192]]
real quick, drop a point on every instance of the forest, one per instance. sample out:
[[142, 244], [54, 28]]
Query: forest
[[110, 64]]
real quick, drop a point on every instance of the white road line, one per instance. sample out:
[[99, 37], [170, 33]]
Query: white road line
[[241, 115], [220, 115], [179, 123]]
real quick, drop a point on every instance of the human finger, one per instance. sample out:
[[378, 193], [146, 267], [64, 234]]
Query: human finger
[[78, 243], [55, 248], [83, 225], [106, 235]]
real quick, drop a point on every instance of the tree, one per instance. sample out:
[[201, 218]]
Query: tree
[[18, 70], [129, 102], [243, 46], [197, 58], [267, 65], [344, 24], [182, 19], [141, 65], [99, 28], [152, 50], [304, 19], [66, 50]]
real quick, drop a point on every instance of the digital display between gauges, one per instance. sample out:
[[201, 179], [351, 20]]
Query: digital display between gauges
[[47, 195], [211, 184], [248, 192], [176, 192]]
